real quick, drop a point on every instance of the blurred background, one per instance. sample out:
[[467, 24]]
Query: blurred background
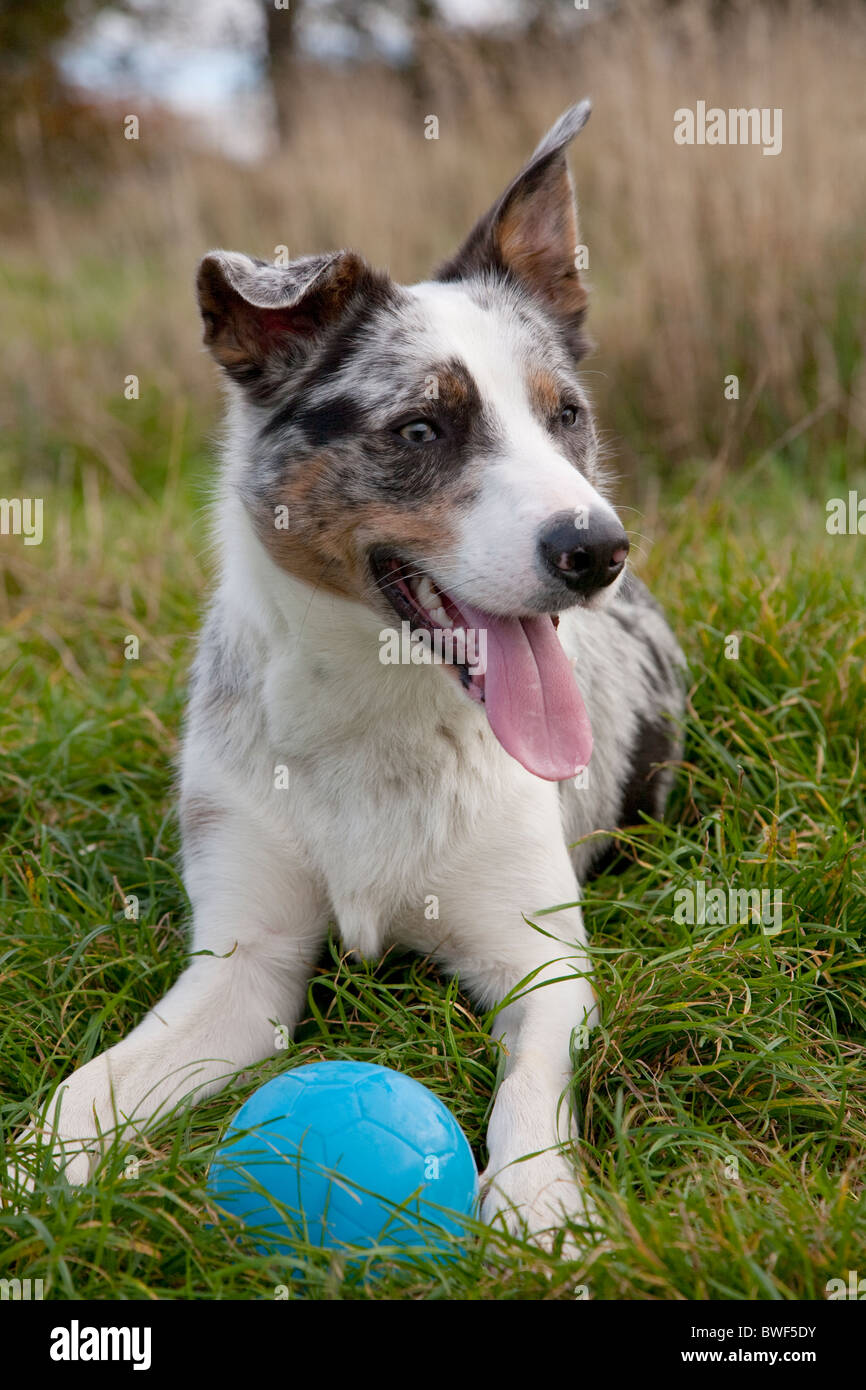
[[304, 127]]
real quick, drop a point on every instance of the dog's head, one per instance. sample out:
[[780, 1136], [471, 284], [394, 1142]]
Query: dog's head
[[428, 450]]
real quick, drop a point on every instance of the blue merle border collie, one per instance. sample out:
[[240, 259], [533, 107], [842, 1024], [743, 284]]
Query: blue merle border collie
[[422, 459]]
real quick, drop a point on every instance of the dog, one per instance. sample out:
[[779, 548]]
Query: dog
[[418, 460]]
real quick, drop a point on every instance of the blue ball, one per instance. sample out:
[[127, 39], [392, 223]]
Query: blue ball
[[358, 1155]]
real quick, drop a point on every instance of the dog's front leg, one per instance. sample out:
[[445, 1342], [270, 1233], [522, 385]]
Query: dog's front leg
[[259, 919], [530, 1178]]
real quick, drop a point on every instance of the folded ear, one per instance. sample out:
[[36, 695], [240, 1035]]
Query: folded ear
[[531, 232], [260, 320]]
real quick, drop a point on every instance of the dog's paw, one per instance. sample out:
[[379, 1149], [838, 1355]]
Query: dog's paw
[[41, 1153], [69, 1136], [538, 1198]]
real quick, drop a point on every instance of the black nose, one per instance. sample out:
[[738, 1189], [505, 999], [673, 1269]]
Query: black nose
[[586, 558]]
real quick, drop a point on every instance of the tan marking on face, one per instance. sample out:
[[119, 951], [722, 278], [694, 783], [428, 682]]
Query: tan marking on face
[[544, 392], [312, 546], [454, 390], [327, 541]]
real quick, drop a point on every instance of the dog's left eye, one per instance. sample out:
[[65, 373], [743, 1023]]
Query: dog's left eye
[[568, 416], [419, 432]]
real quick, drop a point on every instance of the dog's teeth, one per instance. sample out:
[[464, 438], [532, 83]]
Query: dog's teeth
[[425, 593], [430, 599]]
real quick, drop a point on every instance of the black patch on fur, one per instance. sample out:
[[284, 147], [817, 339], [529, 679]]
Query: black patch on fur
[[376, 295], [653, 744], [324, 424], [646, 789], [254, 379]]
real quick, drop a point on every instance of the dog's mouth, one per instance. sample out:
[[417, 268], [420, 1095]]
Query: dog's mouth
[[515, 666], [417, 600]]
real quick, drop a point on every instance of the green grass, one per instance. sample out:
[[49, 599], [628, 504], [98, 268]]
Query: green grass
[[720, 1049]]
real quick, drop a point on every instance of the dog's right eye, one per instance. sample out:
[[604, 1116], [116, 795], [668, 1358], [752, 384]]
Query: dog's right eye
[[419, 432]]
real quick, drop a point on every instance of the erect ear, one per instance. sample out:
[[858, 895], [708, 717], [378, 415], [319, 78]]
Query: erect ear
[[531, 232], [261, 319]]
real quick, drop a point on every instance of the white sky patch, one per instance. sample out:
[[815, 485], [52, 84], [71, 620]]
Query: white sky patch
[[205, 59]]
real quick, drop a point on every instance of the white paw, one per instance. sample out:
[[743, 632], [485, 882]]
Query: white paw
[[536, 1197], [77, 1122]]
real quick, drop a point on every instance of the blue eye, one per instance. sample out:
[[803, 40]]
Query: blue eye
[[419, 432], [568, 416]]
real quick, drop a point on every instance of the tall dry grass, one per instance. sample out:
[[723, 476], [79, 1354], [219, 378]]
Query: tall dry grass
[[703, 261]]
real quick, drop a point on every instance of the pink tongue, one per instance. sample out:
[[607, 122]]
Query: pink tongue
[[533, 704]]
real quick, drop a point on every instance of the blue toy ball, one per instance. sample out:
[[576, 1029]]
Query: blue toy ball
[[355, 1152]]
